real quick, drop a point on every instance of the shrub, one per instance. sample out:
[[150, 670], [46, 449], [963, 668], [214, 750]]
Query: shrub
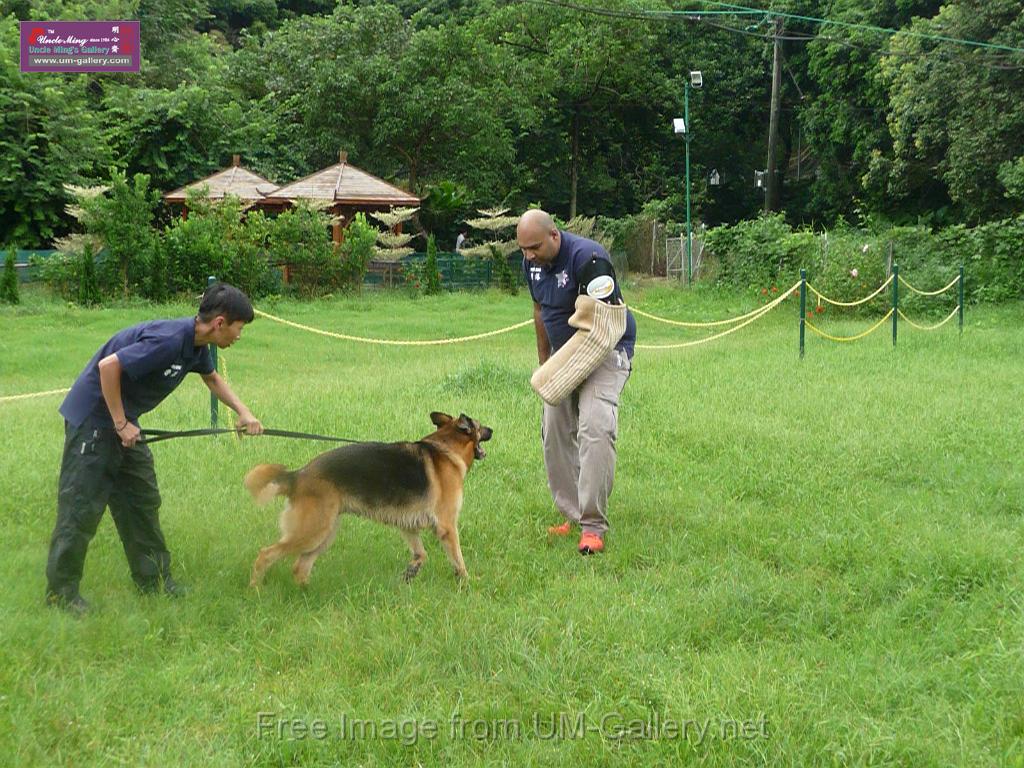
[[298, 239], [431, 275], [121, 219], [216, 240], [760, 251], [61, 272], [508, 280], [88, 288], [9, 293], [356, 251]]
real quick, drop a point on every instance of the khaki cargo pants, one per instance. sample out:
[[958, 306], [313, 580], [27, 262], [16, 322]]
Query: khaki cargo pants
[[579, 444]]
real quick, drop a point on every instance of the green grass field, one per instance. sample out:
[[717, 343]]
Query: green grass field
[[811, 562]]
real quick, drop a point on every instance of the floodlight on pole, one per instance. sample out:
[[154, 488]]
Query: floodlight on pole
[[682, 125]]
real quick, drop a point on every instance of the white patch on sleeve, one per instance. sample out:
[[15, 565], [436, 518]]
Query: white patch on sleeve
[[601, 287]]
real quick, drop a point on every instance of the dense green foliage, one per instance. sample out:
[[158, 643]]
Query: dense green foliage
[[766, 251], [473, 103]]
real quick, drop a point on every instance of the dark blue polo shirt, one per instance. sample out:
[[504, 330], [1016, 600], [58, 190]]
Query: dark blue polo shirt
[[154, 357], [556, 287]]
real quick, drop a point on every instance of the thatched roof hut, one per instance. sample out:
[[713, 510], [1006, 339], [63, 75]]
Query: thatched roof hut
[[234, 180], [344, 189]]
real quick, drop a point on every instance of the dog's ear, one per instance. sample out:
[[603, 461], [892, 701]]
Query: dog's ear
[[440, 419], [464, 424]]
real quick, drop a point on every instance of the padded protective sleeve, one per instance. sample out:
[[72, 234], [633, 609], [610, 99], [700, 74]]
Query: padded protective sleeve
[[599, 326]]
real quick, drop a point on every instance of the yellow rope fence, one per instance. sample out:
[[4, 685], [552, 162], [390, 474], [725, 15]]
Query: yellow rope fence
[[834, 302], [393, 342], [709, 324], [930, 293], [830, 337], [8, 398], [737, 323], [938, 325], [756, 315]]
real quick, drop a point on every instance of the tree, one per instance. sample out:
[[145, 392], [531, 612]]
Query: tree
[[589, 77], [494, 224], [393, 244], [49, 137], [955, 115], [121, 219]]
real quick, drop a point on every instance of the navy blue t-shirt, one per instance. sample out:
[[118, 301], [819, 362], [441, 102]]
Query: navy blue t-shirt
[[555, 288], [154, 357]]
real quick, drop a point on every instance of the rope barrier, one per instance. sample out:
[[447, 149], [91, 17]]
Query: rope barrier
[[7, 398], [872, 329], [739, 322], [760, 313], [938, 325], [930, 293], [392, 342], [709, 324], [827, 300]]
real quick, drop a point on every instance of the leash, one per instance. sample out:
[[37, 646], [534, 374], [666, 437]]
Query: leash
[[151, 436]]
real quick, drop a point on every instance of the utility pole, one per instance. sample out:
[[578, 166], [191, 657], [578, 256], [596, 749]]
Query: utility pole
[[771, 197]]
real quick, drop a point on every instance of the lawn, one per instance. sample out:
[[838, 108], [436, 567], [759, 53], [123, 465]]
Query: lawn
[[811, 561]]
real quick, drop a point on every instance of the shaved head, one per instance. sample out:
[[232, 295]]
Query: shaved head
[[538, 237]]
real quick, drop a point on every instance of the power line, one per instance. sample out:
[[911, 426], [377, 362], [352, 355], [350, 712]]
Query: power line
[[851, 25], [701, 17]]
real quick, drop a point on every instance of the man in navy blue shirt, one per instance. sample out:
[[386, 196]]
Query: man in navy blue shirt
[[105, 464], [578, 434]]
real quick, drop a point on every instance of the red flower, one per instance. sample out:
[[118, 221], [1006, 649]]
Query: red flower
[[810, 314], [764, 291], [775, 289], [819, 309]]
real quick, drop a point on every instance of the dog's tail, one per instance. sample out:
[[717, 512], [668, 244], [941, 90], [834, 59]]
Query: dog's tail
[[265, 481]]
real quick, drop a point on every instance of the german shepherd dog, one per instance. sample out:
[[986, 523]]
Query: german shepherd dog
[[409, 485]]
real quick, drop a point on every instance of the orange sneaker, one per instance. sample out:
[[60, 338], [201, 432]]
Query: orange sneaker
[[590, 543], [560, 530]]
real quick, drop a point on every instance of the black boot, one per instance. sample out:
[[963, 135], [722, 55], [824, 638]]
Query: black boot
[[162, 585], [73, 604]]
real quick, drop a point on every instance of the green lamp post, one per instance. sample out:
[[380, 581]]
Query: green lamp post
[[682, 125]]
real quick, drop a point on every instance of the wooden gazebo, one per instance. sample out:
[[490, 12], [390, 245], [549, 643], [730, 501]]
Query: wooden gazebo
[[345, 189], [235, 180]]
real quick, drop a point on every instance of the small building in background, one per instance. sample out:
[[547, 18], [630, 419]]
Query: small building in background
[[236, 180], [344, 190]]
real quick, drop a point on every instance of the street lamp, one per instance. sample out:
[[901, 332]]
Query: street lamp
[[682, 125]]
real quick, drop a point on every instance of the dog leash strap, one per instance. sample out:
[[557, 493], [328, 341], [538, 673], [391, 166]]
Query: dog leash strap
[[308, 436], [150, 436], [156, 435]]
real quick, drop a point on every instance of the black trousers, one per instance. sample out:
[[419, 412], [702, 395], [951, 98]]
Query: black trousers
[[97, 471]]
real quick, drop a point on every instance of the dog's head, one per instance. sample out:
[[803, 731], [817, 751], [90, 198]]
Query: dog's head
[[471, 429]]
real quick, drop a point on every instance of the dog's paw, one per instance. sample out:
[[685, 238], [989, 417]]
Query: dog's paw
[[411, 571]]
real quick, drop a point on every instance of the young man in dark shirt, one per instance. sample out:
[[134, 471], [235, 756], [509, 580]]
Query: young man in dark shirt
[[579, 433], [105, 464]]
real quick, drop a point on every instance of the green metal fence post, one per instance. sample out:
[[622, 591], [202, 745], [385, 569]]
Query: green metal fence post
[[803, 308], [213, 353], [895, 299], [961, 318]]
